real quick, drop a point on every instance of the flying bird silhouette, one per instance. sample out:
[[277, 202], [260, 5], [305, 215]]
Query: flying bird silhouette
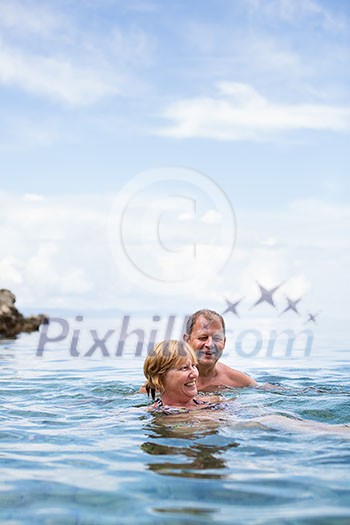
[[292, 305], [232, 307], [266, 295], [312, 317]]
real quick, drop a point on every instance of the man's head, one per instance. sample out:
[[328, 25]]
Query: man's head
[[205, 332]]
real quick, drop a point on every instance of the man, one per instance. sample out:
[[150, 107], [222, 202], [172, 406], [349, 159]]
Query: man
[[205, 332]]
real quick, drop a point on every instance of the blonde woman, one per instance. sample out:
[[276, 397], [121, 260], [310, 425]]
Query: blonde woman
[[170, 369]]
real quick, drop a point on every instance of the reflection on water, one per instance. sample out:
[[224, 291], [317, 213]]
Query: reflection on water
[[201, 461], [177, 441], [185, 511]]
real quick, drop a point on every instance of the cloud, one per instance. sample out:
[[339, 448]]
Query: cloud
[[270, 242], [185, 216], [293, 11], [9, 273], [31, 19], [58, 79], [33, 197], [50, 247], [311, 252], [239, 112], [55, 253], [51, 54], [211, 217]]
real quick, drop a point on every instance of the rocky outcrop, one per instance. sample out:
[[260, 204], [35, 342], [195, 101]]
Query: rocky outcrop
[[12, 322]]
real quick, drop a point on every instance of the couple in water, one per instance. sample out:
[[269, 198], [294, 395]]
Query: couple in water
[[178, 369]]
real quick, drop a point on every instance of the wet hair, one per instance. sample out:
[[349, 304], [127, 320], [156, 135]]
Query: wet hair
[[209, 315], [163, 357]]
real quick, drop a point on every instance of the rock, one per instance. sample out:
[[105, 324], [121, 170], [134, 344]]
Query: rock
[[7, 297], [12, 322]]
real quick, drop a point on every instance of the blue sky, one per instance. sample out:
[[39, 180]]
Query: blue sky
[[252, 93]]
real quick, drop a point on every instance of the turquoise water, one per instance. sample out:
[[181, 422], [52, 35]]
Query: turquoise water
[[78, 447]]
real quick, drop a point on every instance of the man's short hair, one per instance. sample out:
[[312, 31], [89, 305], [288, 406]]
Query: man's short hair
[[209, 315]]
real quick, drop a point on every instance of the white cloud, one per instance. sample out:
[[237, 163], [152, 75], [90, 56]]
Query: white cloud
[[50, 54], [267, 55], [55, 253], [9, 273], [59, 79], [185, 216], [32, 19], [247, 52], [239, 112], [297, 286], [211, 217], [33, 197], [270, 242], [54, 249], [295, 10], [76, 281], [311, 257], [292, 49]]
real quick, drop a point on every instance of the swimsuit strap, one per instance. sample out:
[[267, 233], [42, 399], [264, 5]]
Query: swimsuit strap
[[199, 402], [165, 409], [196, 401]]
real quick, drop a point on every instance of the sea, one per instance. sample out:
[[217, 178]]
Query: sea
[[78, 446]]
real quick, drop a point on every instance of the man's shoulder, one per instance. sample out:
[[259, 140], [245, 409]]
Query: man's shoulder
[[234, 377]]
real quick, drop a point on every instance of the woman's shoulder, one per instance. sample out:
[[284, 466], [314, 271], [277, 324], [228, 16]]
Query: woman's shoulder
[[155, 405]]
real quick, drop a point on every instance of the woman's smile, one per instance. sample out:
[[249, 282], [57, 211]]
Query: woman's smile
[[181, 381]]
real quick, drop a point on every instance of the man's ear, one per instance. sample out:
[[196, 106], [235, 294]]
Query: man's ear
[[185, 337]]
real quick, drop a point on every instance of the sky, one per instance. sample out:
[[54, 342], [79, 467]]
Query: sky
[[164, 156]]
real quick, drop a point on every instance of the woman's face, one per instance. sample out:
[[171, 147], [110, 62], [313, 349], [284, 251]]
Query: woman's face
[[180, 382]]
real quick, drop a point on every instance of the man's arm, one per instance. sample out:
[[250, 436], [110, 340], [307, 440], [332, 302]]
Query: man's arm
[[240, 379], [237, 378]]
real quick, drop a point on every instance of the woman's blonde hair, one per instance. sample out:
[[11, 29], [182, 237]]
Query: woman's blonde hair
[[165, 355]]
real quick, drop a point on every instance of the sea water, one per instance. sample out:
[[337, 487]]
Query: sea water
[[77, 445]]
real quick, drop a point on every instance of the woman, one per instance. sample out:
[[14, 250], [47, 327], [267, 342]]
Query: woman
[[170, 369]]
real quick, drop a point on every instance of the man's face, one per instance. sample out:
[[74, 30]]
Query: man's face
[[207, 340]]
